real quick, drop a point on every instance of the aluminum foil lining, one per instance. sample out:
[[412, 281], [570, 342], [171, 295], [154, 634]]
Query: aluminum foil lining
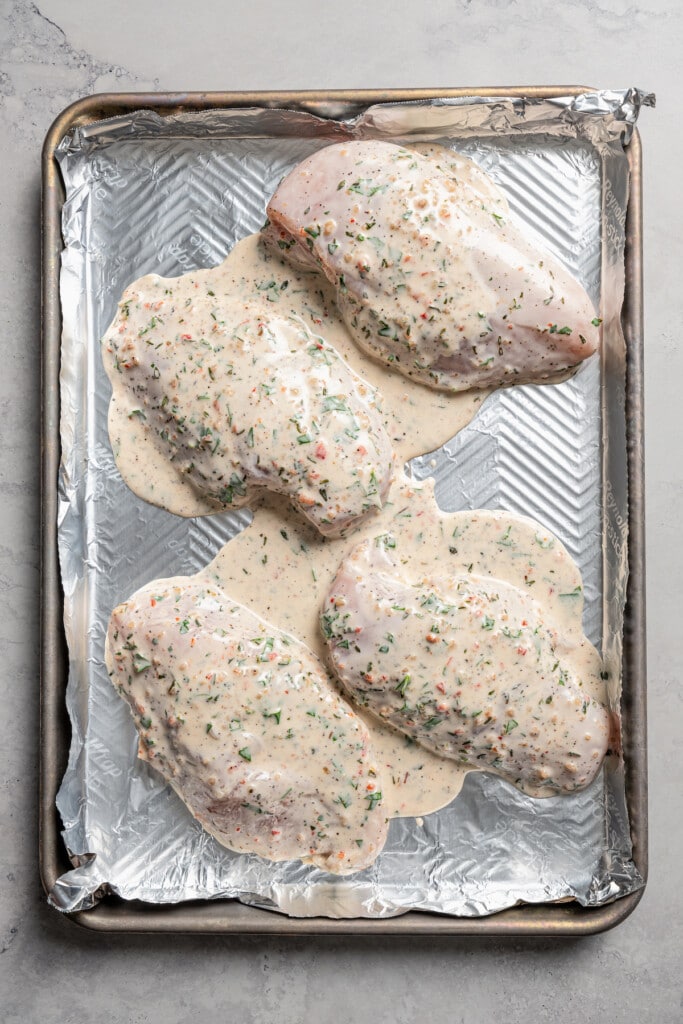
[[146, 193]]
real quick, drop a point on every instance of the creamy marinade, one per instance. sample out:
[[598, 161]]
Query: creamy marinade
[[468, 666], [248, 284], [288, 553], [432, 275], [244, 724], [301, 566]]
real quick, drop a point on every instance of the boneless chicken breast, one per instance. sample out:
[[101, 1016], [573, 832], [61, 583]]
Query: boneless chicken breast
[[235, 404], [433, 275], [469, 668], [243, 722]]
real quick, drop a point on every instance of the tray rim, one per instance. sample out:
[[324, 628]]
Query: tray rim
[[113, 914]]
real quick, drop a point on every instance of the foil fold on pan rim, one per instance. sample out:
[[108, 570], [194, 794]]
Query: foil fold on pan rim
[[600, 116]]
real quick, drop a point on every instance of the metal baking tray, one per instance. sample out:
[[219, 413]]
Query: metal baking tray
[[113, 914]]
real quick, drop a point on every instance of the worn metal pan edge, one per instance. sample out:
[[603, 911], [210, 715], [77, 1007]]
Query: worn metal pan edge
[[230, 917]]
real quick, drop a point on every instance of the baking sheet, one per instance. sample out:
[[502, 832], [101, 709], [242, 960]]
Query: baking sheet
[[146, 193]]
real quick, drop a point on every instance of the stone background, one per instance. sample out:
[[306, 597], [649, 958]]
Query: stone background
[[51, 971]]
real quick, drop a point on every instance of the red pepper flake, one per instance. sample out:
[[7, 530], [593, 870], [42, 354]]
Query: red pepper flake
[[186, 337], [521, 650], [320, 450]]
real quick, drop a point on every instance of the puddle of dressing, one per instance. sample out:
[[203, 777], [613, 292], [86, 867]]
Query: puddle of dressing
[[281, 567]]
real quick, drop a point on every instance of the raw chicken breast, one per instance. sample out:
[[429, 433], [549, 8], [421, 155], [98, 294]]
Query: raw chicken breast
[[467, 667], [242, 721], [433, 276], [261, 402]]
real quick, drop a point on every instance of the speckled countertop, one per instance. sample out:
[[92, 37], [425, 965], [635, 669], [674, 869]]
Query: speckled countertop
[[51, 971]]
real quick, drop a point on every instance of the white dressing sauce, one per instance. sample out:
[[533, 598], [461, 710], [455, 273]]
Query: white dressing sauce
[[249, 282], [281, 566], [299, 566], [243, 723]]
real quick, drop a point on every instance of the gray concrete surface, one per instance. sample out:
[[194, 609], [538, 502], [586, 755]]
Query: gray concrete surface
[[49, 55]]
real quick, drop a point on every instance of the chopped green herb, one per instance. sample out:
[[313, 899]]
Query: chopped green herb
[[403, 685], [140, 663]]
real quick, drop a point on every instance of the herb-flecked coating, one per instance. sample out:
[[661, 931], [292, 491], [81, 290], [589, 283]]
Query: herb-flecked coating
[[243, 722], [257, 403], [469, 668], [433, 274]]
